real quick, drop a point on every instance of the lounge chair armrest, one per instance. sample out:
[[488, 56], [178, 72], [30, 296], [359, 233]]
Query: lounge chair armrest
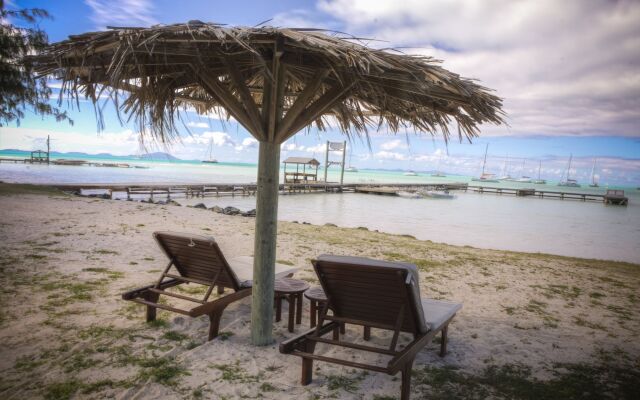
[[289, 345], [135, 293]]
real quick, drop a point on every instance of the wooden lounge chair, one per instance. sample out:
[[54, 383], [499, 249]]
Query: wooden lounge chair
[[378, 294], [198, 259]]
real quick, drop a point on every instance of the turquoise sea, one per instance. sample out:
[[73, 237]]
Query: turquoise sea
[[564, 227]]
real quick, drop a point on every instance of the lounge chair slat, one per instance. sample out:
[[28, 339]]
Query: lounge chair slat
[[347, 363], [353, 345], [356, 321], [163, 306], [176, 295], [183, 278]]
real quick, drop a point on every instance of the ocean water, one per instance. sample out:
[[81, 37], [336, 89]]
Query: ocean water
[[564, 227]]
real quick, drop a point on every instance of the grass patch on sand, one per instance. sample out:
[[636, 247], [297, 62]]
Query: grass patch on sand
[[513, 381], [161, 370], [235, 373], [564, 291], [8, 189], [422, 263], [343, 382], [110, 273], [174, 336]]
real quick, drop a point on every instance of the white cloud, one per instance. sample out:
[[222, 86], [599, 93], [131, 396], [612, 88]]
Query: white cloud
[[563, 68], [390, 155], [293, 147], [393, 145], [193, 124], [247, 143], [121, 13]]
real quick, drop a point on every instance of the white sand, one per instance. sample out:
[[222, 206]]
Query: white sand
[[54, 332]]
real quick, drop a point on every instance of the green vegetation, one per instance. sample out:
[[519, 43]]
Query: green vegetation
[[105, 251], [511, 381], [235, 373], [343, 382], [110, 273], [175, 336], [267, 387], [162, 370], [9, 189], [225, 335]]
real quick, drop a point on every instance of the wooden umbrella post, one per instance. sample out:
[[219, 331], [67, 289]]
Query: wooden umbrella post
[[265, 243]]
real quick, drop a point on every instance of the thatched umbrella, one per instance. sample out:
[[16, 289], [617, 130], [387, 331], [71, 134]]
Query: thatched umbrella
[[274, 82]]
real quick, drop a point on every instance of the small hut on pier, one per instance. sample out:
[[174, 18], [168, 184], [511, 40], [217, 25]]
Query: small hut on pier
[[309, 175]]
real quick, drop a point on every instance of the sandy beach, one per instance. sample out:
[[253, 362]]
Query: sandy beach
[[532, 326]]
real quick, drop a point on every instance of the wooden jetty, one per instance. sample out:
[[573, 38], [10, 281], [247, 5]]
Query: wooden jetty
[[152, 191], [162, 191], [609, 198]]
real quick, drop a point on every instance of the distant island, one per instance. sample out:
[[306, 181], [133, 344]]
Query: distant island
[[157, 156]]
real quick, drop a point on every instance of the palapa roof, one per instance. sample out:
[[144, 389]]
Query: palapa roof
[[302, 160], [311, 76]]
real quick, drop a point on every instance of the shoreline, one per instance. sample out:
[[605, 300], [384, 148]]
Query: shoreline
[[182, 201], [65, 261]]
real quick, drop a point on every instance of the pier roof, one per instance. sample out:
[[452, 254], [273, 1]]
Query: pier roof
[[302, 160]]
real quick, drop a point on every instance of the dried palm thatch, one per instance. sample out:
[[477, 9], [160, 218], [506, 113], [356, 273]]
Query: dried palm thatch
[[273, 81]]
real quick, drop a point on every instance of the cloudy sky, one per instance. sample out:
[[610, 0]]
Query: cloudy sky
[[569, 73]]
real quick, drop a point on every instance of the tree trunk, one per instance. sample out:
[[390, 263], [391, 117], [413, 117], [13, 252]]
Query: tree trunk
[[265, 244]]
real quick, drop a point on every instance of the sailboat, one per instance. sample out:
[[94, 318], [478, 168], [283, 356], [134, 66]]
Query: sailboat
[[540, 181], [594, 180], [438, 174], [568, 182], [523, 178], [210, 159], [350, 168], [505, 171], [485, 176]]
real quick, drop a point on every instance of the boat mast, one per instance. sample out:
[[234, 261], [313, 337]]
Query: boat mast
[[539, 168], [593, 171], [569, 167], [485, 158]]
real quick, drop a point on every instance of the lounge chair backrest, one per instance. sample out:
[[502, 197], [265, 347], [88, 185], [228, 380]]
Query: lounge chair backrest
[[197, 257], [373, 292]]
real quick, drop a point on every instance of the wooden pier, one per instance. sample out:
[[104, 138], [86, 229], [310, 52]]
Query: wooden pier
[[167, 192], [609, 198]]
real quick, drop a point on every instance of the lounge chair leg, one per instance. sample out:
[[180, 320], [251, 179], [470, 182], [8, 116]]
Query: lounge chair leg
[[151, 311], [214, 323], [292, 310], [367, 333], [336, 333], [220, 289], [307, 364], [405, 391], [313, 313], [299, 309], [307, 371], [278, 309], [443, 341]]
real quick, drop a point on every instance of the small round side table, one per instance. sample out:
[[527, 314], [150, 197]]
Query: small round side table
[[317, 299], [291, 290]]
